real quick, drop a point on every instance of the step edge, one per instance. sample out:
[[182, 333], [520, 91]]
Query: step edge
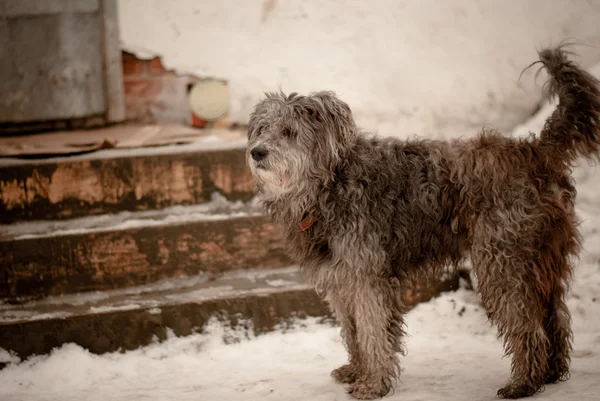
[[257, 292], [7, 162], [9, 232]]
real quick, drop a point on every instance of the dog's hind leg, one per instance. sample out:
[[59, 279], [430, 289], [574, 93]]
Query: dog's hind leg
[[527, 342], [510, 281], [377, 329], [558, 330], [561, 243]]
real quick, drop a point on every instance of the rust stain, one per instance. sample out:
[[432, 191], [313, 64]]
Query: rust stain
[[138, 191], [37, 185], [76, 180], [183, 242], [244, 236], [178, 185], [221, 176], [272, 312], [12, 193], [114, 181], [193, 179], [215, 250], [113, 256], [211, 248], [165, 183], [244, 183], [163, 252]]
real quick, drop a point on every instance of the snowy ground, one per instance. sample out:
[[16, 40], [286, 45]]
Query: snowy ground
[[453, 352]]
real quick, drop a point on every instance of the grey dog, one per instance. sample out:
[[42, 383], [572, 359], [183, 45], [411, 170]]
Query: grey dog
[[367, 217]]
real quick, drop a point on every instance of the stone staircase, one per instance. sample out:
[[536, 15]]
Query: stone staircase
[[114, 249]]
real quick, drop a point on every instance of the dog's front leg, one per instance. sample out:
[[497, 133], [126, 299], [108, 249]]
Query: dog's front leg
[[346, 373], [373, 305]]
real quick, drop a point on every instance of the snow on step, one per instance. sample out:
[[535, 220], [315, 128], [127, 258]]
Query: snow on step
[[197, 288], [219, 208]]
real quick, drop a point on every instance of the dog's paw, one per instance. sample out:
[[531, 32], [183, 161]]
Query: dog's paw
[[369, 390], [519, 390], [558, 375], [344, 374]]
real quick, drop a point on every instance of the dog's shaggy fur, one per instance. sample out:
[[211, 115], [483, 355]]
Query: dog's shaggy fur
[[367, 217]]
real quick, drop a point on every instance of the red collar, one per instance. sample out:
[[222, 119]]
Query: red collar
[[306, 223]]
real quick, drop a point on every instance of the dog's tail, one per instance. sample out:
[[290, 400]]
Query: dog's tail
[[573, 129]]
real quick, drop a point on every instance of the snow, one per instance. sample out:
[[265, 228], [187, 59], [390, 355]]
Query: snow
[[185, 289], [453, 352], [103, 309]]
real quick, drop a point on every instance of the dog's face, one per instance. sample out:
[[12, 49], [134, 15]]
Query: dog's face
[[296, 140]]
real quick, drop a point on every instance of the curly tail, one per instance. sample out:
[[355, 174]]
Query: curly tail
[[573, 129]]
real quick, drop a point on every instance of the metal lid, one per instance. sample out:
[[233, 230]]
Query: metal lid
[[209, 99]]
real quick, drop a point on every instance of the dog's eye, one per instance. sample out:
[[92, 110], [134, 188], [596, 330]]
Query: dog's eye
[[287, 133]]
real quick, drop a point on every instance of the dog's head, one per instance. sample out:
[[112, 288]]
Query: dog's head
[[295, 141]]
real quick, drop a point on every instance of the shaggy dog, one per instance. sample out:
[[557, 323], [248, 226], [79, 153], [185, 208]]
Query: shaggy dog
[[367, 217]]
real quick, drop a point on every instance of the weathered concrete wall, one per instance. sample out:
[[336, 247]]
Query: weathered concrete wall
[[405, 66], [52, 64]]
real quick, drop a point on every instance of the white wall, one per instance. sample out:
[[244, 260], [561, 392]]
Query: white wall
[[404, 66]]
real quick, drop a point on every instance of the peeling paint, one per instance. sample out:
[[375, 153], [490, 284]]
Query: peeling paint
[[78, 181], [219, 175], [13, 193], [88, 187]]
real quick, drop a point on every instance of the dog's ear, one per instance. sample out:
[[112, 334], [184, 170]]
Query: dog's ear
[[333, 104], [337, 120]]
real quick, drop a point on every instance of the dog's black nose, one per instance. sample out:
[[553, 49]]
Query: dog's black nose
[[259, 153]]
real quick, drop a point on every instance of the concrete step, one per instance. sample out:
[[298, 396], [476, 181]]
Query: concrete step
[[130, 179], [125, 319], [135, 248]]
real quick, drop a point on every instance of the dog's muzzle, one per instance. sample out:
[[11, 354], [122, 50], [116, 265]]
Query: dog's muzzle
[[258, 153]]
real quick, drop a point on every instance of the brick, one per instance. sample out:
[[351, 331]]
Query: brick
[[126, 56], [156, 67], [133, 68], [145, 88], [154, 99], [140, 94]]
